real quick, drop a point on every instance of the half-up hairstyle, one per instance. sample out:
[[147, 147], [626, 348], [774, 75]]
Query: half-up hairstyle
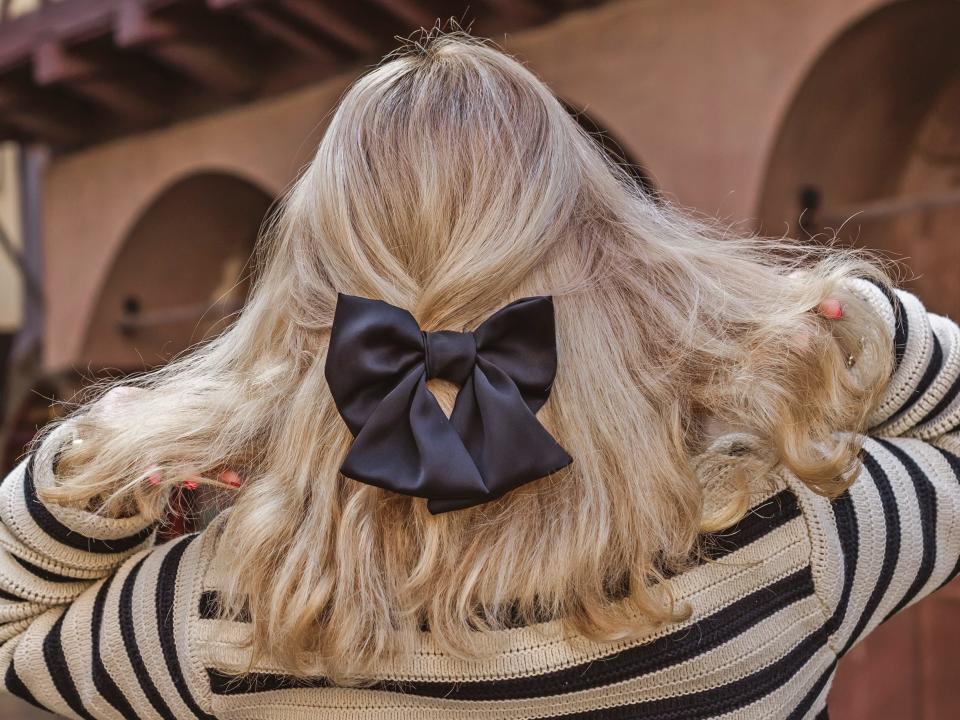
[[450, 181]]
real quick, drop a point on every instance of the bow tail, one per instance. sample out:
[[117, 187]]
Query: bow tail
[[407, 445], [503, 436]]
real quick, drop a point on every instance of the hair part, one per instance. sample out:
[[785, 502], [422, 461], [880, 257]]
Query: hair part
[[451, 181]]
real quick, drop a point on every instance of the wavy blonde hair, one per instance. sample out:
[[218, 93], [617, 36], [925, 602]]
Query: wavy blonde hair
[[451, 181]]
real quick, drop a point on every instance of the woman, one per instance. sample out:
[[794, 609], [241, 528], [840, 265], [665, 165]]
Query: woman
[[653, 496]]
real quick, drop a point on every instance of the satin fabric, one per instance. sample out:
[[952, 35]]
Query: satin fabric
[[378, 364]]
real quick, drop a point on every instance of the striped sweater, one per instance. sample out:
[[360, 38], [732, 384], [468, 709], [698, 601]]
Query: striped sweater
[[98, 622]]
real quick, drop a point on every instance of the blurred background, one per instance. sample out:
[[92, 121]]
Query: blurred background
[[142, 142]]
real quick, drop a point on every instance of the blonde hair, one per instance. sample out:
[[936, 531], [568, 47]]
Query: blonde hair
[[450, 181]]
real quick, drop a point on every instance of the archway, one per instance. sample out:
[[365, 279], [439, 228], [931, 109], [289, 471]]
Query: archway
[[180, 273], [612, 146], [870, 145]]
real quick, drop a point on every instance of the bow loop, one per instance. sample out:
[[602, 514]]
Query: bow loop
[[378, 363]]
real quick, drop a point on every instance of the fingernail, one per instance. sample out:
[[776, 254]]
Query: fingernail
[[191, 484], [831, 309], [231, 478], [155, 478]]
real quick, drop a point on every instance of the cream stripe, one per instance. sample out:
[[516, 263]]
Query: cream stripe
[[871, 546], [12, 630], [542, 649], [779, 703], [31, 667], [21, 582], [148, 632], [193, 567], [949, 336], [13, 611], [756, 649], [947, 531], [911, 545], [826, 555], [949, 417], [914, 363], [88, 524], [77, 640], [112, 650], [38, 547], [821, 702]]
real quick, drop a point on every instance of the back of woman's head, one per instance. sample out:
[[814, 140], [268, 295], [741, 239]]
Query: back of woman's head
[[450, 181]]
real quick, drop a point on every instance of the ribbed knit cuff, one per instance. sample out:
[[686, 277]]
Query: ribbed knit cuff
[[74, 538]]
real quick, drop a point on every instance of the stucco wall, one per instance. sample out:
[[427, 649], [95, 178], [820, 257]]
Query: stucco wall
[[695, 90]]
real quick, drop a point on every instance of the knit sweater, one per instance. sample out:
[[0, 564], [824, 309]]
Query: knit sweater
[[98, 622]]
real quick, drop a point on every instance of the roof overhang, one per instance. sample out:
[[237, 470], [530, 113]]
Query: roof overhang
[[78, 72]]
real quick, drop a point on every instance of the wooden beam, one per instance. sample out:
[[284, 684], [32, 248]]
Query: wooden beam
[[42, 120], [290, 36], [314, 13], [883, 208], [208, 61], [134, 25], [518, 12], [102, 86], [411, 12], [86, 18], [332, 24]]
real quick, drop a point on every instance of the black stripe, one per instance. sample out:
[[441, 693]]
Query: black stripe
[[166, 591], [927, 499], [845, 517], [954, 463], [16, 687], [45, 574], [62, 534], [944, 403], [666, 651], [59, 671], [133, 650], [208, 607], [803, 707], [763, 518], [4, 595], [719, 700], [933, 369], [902, 328], [222, 683], [900, 324], [891, 547], [760, 520], [102, 680]]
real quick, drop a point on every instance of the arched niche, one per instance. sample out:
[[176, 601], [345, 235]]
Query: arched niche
[[873, 125], [613, 147], [181, 271]]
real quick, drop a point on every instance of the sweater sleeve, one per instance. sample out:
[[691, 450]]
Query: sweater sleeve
[[894, 536], [922, 399], [88, 607]]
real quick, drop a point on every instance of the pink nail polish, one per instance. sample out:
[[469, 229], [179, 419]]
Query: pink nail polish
[[831, 309], [155, 478], [231, 478], [191, 484]]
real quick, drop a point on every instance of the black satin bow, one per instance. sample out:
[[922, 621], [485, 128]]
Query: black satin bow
[[378, 364]]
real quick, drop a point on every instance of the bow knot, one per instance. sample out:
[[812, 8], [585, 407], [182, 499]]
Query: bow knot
[[449, 355], [378, 364]]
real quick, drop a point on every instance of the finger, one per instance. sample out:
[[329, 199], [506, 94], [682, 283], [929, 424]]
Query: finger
[[831, 309]]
